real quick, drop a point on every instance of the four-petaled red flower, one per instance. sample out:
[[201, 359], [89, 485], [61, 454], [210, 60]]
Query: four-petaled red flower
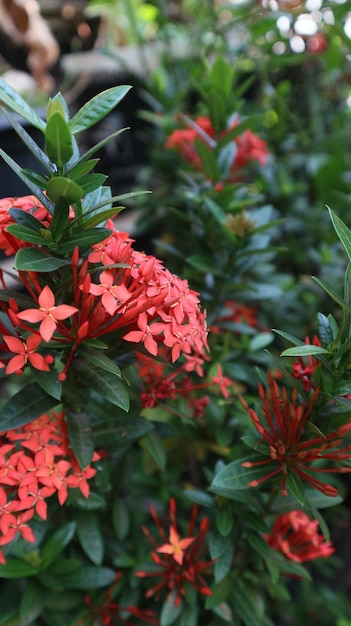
[[290, 448], [25, 353], [181, 559], [48, 314], [296, 536]]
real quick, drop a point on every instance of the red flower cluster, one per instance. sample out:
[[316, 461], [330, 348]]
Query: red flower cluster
[[235, 313], [249, 147], [304, 367], [282, 425], [36, 461], [109, 612], [137, 299], [159, 386], [296, 536], [181, 559]]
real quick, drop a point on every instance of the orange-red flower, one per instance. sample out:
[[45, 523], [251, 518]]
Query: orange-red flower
[[181, 560], [296, 536], [48, 314], [25, 353]]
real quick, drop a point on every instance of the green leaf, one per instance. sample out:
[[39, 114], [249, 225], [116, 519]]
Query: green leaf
[[235, 477], [199, 497], [203, 263], [84, 239], [29, 142], [63, 187], [13, 101], [14, 568], [37, 260], [56, 544], [97, 108], [220, 592], [296, 487], [25, 406], [330, 291], [58, 140], [170, 611], [222, 74], [80, 169], [90, 537], [26, 234], [208, 160], [342, 231], [120, 518], [91, 182], [49, 382], [97, 358], [305, 350], [224, 520], [224, 563], [89, 577], [25, 219], [244, 605], [190, 616], [80, 436], [156, 448], [31, 605], [36, 190], [122, 429], [104, 383]]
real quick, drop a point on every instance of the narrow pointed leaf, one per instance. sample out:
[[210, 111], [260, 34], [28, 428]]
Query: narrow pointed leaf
[[83, 239], [97, 108], [80, 436], [156, 448], [58, 140], [29, 142], [89, 577], [12, 100], [343, 232], [36, 190], [90, 537], [56, 543]]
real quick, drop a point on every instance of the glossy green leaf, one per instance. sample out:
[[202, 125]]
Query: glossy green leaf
[[190, 616], [220, 592], [90, 536], [25, 406], [224, 563], [122, 429], [104, 383], [99, 359], [83, 239], [26, 234], [120, 518], [305, 350], [49, 382], [236, 477], [208, 160], [156, 449], [224, 520], [89, 577], [31, 604], [81, 169], [97, 108], [58, 140], [12, 100], [91, 182], [63, 187], [25, 219], [333, 294], [56, 543], [170, 611], [37, 260], [80, 436], [14, 568], [29, 142], [35, 189], [244, 605], [343, 232]]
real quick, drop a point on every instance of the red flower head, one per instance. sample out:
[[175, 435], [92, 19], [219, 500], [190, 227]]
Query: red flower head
[[282, 425], [179, 560], [304, 367], [249, 147], [296, 536]]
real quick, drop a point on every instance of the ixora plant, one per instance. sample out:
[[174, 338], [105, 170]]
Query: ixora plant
[[128, 492]]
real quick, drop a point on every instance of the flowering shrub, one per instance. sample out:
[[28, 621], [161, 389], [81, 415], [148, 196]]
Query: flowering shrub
[[142, 477]]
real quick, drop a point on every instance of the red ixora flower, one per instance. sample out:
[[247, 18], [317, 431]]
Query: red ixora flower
[[180, 561], [296, 536], [48, 314], [25, 352], [304, 367], [107, 611], [282, 425], [249, 147]]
